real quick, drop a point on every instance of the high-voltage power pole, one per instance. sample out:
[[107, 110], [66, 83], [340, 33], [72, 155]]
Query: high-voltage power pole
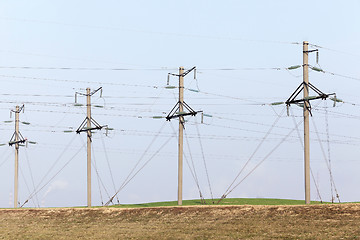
[[178, 111], [305, 86], [16, 139], [86, 126]]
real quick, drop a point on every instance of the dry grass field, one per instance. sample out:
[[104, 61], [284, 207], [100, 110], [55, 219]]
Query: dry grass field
[[338, 221]]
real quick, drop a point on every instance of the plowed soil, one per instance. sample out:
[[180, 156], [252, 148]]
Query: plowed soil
[[195, 222]]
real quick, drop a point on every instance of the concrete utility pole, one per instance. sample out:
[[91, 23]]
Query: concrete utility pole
[[306, 121], [87, 126], [181, 131], [16, 180], [16, 139], [180, 110], [305, 86]]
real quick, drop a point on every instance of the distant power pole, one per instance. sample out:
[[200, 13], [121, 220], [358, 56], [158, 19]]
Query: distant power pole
[[306, 121], [181, 135], [178, 112], [305, 86], [86, 126], [16, 139]]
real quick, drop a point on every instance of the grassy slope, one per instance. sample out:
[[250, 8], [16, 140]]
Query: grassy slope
[[227, 201], [317, 221]]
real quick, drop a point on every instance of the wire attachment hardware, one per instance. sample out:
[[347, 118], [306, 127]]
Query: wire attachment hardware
[[292, 99]]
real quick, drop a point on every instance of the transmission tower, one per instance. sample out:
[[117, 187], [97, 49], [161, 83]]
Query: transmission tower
[[304, 87], [16, 140], [180, 110], [86, 126]]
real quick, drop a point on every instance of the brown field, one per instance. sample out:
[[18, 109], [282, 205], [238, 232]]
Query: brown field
[[340, 221]]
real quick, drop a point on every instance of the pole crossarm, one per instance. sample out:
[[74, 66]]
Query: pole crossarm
[[184, 73], [16, 138], [320, 95], [174, 113], [88, 94], [18, 110], [83, 127]]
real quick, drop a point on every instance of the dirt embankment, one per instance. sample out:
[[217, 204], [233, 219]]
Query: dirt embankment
[[195, 222]]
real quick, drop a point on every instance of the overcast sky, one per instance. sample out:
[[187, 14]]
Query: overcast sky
[[51, 49]]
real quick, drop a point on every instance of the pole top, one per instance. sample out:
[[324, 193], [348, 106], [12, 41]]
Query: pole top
[[305, 43], [181, 68]]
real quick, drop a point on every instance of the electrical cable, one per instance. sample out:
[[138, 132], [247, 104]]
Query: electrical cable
[[252, 170], [134, 175], [252, 155], [205, 165], [57, 173]]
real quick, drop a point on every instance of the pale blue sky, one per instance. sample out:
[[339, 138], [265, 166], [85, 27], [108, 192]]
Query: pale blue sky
[[143, 35]]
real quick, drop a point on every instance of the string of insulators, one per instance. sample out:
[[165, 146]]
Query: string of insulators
[[276, 103], [317, 69], [193, 90], [294, 67], [335, 99], [204, 115], [317, 57]]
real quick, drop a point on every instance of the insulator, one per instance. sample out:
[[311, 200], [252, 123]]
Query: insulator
[[193, 90], [317, 57], [101, 92], [75, 98], [277, 103], [202, 117], [317, 69], [168, 79], [195, 73], [293, 67], [287, 109]]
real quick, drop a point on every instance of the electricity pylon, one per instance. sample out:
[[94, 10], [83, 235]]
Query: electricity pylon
[[86, 126], [16, 139], [305, 86], [180, 110]]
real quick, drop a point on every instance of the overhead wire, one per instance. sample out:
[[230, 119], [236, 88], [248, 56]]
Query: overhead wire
[[205, 165], [193, 169], [32, 176], [57, 173], [131, 175], [302, 147], [109, 167], [51, 168], [227, 191], [142, 167], [327, 164], [257, 165]]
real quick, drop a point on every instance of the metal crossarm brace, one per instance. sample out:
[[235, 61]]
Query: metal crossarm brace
[[19, 136], [173, 114], [83, 127], [292, 100]]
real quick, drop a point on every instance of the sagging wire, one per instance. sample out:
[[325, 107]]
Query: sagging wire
[[193, 169], [204, 161], [302, 146], [251, 157], [327, 161]]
